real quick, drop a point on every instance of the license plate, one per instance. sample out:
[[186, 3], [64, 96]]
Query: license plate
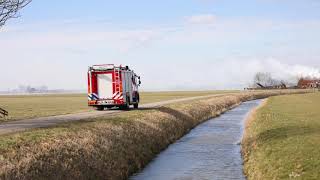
[[106, 102]]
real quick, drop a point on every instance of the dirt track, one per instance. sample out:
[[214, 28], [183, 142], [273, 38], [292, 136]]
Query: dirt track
[[22, 125]]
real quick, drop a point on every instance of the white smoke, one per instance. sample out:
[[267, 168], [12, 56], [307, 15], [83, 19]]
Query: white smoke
[[304, 71], [290, 73], [240, 73], [223, 74]]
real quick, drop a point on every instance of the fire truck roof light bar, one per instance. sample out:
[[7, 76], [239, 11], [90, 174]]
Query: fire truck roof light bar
[[104, 67]]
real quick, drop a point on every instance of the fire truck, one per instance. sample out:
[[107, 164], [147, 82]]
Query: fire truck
[[113, 86]]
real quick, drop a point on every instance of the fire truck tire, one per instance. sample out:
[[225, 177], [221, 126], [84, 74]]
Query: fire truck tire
[[109, 107], [100, 108], [136, 105], [125, 106]]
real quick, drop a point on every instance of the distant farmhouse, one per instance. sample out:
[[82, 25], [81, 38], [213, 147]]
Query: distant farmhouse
[[308, 83]]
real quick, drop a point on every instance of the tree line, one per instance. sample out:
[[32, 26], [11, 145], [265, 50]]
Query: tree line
[[265, 79]]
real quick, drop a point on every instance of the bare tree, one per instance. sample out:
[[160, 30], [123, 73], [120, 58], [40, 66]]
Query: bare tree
[[10, 8], [265, 79]]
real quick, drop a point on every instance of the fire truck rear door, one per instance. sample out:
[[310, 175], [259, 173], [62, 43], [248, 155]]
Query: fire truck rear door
[[105, 86]]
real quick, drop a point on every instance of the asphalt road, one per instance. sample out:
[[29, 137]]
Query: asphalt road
[[23, 125]]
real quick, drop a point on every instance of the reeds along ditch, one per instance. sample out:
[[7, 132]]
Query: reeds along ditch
[[109, 148]]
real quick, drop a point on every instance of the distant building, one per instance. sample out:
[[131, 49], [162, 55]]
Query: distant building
[[308, 83]]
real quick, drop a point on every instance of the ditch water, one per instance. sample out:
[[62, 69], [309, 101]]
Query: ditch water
[[209, 151]]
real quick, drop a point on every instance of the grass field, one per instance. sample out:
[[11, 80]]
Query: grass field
[[21, 107], [282, 139], [109, 147]]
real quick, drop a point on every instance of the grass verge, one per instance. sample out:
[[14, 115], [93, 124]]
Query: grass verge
[[282, 139], [108, 147]]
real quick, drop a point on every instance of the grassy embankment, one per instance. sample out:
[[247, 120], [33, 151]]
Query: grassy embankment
[[22, 107], [107, 147], [282, 139]]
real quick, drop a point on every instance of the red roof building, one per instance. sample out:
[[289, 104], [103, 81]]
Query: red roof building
[[308, 83]]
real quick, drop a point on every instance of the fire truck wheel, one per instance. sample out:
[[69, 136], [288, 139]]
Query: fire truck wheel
[[136, 106], [100, 108], [125, 106]]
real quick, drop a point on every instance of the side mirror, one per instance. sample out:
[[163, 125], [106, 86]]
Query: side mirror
[[139, 82]]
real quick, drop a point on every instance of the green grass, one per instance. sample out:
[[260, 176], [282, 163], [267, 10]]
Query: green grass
[[22, 107], [283, 139]]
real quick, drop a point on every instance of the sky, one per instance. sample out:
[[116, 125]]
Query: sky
[[171, 44]]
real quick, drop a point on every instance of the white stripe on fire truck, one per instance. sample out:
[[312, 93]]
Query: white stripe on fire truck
[[115, 94], [118, 96], [94, 95]]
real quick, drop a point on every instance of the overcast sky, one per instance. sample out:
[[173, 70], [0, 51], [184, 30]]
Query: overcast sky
[[172, 44]]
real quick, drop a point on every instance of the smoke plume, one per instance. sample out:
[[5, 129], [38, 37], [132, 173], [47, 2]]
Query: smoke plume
[[290, 73]]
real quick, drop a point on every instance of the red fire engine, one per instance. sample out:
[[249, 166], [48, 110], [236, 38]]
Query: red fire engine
[[112, 86]]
